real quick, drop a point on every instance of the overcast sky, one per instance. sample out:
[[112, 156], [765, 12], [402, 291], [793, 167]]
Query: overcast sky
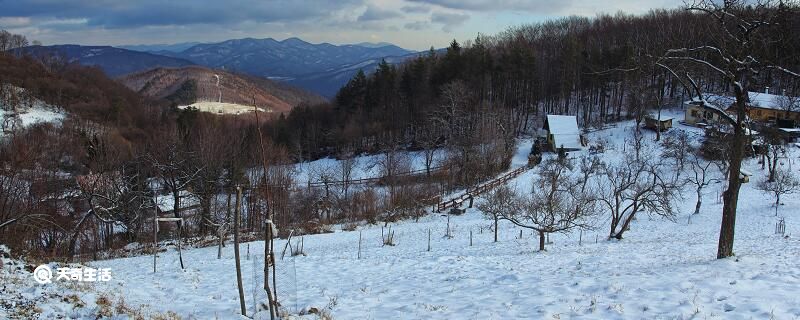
[[413, 24]]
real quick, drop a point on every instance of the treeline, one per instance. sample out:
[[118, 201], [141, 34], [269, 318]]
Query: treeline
[[600, 69]]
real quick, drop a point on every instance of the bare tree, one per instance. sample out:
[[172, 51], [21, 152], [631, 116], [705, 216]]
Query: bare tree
[[428, 139], [390, 163], [498, 204], [741, 27], [677, 145], [772, 151], [784, 182], [589, 167], [702, 175], [176, 172], [788, 104], [323, 173], [556, 203], [634, 186], [346, 166]]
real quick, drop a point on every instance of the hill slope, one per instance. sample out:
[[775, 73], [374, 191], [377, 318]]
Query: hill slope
[[192, 83], [662, 270]]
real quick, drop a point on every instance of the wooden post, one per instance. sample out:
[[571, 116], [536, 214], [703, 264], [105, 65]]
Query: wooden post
[[219, 245], [359, 244], [155, 239], [180, 234], [269, 257], [470, 237], [448, 225], [580, 237], [429, 239], [470, 201], [520, 233], [236, 250]]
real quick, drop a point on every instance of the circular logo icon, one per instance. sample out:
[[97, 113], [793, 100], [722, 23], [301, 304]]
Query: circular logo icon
[[42, 274]]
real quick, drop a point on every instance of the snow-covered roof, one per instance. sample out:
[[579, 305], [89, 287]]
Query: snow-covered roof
[[773, 101], [166, 202], [717, 100], [557, 124], [757, 99]]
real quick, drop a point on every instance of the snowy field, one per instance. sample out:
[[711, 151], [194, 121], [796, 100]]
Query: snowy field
[[39, 113], [222, 107], [661, 270]]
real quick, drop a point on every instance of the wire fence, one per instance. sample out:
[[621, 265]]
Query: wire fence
[[286, 286]]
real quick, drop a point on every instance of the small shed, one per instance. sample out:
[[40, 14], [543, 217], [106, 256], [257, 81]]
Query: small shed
[[653, 123], [563, 132], [744, 176]]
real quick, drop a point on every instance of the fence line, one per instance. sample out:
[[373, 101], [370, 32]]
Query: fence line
[[480, 189]]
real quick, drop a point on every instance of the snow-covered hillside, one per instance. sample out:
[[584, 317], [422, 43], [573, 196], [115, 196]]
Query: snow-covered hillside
[[661, 270], [37, 112]]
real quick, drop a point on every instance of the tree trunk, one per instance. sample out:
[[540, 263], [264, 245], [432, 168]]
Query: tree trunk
[[614, 223], [699, 200], [541, 240], [625, 225], [730, 197]]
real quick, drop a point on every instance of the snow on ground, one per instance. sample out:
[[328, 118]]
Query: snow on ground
[[661, 270], [222, 107], [39, 113], [366, 166]]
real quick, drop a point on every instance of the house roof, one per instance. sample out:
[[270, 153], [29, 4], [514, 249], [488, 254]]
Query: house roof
[[757, 100], [773, 101], [557, 124], [565, 131]]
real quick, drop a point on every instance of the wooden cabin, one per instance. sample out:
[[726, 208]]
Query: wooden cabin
[[563, 132], [653, 123]]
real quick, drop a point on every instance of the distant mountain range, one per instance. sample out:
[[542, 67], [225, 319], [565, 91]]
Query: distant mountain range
[[159, 48], [114, 61], [322, 68]]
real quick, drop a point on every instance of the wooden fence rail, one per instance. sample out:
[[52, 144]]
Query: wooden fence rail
[[470, 194]]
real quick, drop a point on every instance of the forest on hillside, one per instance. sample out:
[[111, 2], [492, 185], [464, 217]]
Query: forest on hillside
[[99, 170], [600, 69]]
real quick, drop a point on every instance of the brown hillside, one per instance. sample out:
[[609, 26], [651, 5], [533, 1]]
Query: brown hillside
[[240, 89]]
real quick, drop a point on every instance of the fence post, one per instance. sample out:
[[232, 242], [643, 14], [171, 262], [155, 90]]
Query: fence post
[[359, 244], [429, 239], [470, 237]]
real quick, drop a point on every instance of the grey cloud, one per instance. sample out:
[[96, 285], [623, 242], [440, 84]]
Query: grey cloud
[[416, 9], [122, 14], [374, 13], [539, 6], [417, 25], [449, 20]]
